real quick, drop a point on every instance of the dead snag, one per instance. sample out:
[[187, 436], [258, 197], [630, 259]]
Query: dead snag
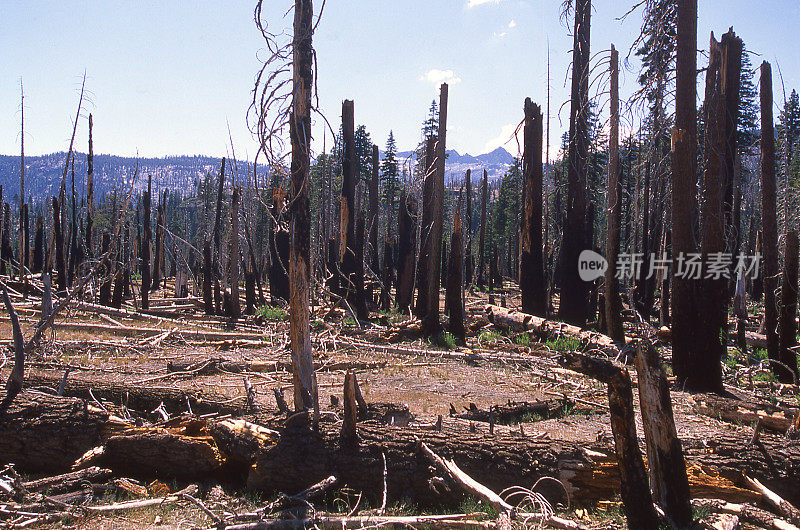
[[666, 464], [17, 375], [372, 222], [769, 223], [388, 276], [304, 377], [455, 278], [430, 322], [234, 310], [106, 272], [573, 307], [684, 192], [426, 224], [636, 497], [788, 312], [468, 263], [710, 333], [349, 432], [348, 239], [611, 296], [38, 246], [208, 297], [146, 247], [482, 235], [279, 265], [58, 238], [158, 262], [407, 243], [531, 272], [730, 80], [89, 192]]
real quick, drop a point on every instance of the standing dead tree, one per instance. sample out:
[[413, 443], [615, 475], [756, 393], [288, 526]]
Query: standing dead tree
[[430, 321], [769, 223], [574, 291], [372, 222], [282, 99], [233, 309], [426, 224], [455, 278], [407, 242], [145, 251], [482, 236], [611, 298], [531, 273], [686, 357], [352, 270], [89, 192], [788, 310], [468, 263]]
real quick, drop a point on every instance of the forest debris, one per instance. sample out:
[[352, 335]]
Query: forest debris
[[730, 410], [746, 513], [548, 329], [466, 482], [783, 507]]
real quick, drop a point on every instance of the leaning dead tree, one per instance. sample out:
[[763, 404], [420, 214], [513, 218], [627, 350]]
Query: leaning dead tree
[[531, 267]]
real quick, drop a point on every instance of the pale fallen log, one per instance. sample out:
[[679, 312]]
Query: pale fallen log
[[783, 507], [132, 505], [469, 484], [746, 513], [185, 334], [770, 416], [219, 366], [544, 329]]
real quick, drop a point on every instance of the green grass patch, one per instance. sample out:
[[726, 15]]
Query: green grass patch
[[522, 339], [490, 336], [563, 344], [269, 312], [444, 340]]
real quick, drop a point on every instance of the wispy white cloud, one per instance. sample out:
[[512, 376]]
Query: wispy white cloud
[[504, 139], [437, 77], [501, 34], [512, 24], [473, 3]]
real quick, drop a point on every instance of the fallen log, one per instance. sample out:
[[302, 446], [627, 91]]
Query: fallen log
[[746, 513], [753, 339], [68, 481], [771, 417], [515, 412], [43, 433], [143, 399], [219, 366], [184, 334], [544, 329]]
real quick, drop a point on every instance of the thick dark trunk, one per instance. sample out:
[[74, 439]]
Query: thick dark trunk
[[406, 230], [531, 274], [482, 237], [574, 291], [61, 266], [788, 312], [423, 271], [145, 250], [455, 278]]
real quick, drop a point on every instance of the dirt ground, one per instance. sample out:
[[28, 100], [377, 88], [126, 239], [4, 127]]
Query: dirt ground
[[406, 369]]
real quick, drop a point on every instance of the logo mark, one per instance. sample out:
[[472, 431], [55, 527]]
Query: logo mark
[[591, 265]]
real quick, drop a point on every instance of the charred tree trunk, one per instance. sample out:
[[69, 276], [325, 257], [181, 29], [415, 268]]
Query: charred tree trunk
[[234, 309], [407, 244], [455, 278], [769, 223], [573, 307], [373, 215], [89, 192], [208, 295], [106, 272], [388, 276], [303, 375], [531, 274], [482, 237], [423, 271], [38, 246], [684, 189], [61, 266], [611, 297], [468, 263], [711, 335], [146, 246], [788, 313], [430, 321], [354, 291]]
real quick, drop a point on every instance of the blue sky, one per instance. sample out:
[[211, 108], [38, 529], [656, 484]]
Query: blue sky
[[166, 77]]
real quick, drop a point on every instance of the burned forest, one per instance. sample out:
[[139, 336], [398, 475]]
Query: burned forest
[[332, 332]]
